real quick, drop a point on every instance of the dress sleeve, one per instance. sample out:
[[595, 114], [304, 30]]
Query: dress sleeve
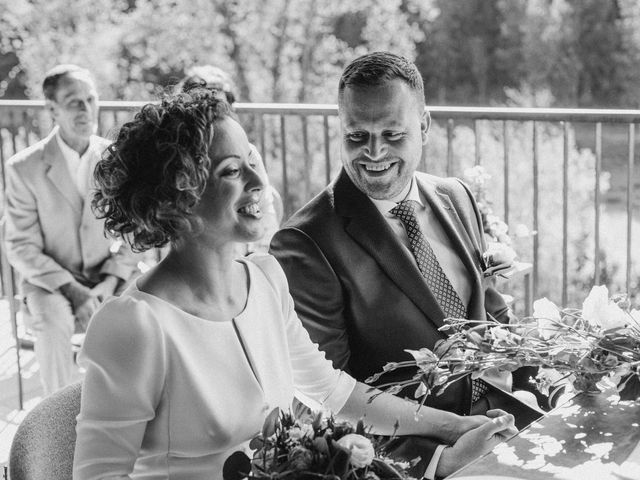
[[125, 360], [313, 375]]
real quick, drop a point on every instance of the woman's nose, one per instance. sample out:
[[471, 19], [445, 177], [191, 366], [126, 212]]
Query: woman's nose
[[255, 180]]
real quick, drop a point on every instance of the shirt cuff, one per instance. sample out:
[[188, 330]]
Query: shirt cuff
[[430, 474]]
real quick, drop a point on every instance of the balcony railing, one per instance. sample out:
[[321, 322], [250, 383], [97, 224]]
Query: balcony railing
[[540, 178]]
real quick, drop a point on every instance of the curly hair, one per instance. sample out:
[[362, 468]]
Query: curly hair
[[153, 176]]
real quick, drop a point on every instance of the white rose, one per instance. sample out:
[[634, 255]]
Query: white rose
[[548, 317], [360, 447], [598, 310]]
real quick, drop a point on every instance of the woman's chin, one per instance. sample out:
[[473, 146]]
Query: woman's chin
[[251, 235]]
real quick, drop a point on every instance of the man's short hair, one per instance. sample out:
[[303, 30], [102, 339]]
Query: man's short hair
[[209, 76], [377, 68], [53, 77]]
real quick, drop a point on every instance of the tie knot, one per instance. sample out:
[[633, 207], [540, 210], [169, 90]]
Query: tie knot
[[404, 209]]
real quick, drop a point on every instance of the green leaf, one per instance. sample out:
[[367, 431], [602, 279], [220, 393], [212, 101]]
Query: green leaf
[[384, 470], [236, 467], [630, 387], [271, 423], [320, 443], [340, 460], [256, 443], [317, 421]]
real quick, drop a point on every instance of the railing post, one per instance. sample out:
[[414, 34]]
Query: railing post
[[477, 142], [598, 172], [450, 147], [305, 153], [285, 181], [505, 145], [327, 149], [536, 226], [565, 209], [630, 161]]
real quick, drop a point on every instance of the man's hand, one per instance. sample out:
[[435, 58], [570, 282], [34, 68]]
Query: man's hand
[[84, 300], [496, 427]]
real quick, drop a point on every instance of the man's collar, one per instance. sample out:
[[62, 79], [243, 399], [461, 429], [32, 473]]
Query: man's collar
[[409, 192], [69, 152]]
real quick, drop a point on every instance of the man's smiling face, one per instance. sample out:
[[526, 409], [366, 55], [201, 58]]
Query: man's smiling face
[[383, 130]]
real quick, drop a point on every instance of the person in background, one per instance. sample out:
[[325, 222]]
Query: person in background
[[183, 368], [271, 203], [384, 254], [53, 240]]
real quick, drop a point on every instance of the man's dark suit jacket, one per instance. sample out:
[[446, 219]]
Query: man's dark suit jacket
[[358, 290]]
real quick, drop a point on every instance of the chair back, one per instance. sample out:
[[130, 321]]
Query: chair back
[[44, 443]]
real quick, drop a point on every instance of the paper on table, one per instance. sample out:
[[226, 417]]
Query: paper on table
[[631, 466], [488, 477]]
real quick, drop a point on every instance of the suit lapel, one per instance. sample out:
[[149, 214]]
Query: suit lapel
[[58, 173], [445, 212], [370, 230], [88, 217]]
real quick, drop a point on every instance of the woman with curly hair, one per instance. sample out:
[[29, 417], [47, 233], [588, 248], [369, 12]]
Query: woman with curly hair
[[182, 369]]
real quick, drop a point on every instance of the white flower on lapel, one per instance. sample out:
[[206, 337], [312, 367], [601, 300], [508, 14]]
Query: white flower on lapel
[[498, 258]]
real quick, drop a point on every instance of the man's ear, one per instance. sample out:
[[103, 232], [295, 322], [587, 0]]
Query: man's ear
[[50, 105], [425, 124]]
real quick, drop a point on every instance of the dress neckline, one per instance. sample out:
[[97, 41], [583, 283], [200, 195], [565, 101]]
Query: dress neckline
[[248, 270]]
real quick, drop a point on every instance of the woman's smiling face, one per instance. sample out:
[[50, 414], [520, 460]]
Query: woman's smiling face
[[229, 206]]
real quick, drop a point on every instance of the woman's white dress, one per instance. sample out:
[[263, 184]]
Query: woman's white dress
[[171, 395]]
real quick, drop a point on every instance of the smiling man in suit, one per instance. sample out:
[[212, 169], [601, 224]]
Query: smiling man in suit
[[377, 260], [67, 265]]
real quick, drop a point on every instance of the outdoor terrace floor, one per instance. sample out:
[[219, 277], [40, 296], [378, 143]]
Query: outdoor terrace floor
[[10, 413]]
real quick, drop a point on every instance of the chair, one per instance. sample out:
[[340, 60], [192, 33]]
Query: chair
[[15, 301], [44, 443]]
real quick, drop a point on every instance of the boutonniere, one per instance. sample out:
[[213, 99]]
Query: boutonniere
[[497, 259]]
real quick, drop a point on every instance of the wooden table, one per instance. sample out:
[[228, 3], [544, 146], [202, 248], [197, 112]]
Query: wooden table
[[586, 438]]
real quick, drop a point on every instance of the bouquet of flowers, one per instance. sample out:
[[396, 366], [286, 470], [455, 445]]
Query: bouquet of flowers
[[589, 349], [313, 447]]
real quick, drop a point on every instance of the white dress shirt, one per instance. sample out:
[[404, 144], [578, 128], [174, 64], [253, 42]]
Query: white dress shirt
[[77, 164]]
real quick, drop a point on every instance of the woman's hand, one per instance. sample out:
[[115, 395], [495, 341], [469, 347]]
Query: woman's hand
[[497, 427], [462, 425]]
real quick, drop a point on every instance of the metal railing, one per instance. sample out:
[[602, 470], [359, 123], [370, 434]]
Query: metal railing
[[300, 145]]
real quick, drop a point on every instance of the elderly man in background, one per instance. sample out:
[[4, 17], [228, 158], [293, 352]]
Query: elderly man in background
[[53, 240]]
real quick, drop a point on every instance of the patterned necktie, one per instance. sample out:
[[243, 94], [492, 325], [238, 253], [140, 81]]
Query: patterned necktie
[[428, 264], [436, 279]]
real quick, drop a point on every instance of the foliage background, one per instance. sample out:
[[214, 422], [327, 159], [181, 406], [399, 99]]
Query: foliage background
[[560, 53]]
